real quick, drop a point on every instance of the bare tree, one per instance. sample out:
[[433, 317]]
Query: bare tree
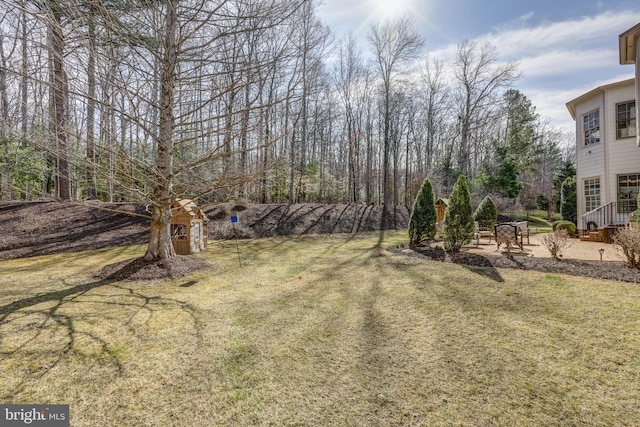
[[393, 44], [481, 80], [6, 187], [349, 75], [155, 101], [436, 104], [310, 37], [91, 104], [193, 48]]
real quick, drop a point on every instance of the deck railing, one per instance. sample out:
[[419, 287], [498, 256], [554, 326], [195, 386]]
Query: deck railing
[[603, 216]]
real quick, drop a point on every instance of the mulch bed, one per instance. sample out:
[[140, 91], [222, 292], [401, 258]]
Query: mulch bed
[[139, 269], [609, 270]]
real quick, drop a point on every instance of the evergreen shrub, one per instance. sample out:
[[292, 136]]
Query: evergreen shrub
[[458, 221], [422, 224], [486, 213]]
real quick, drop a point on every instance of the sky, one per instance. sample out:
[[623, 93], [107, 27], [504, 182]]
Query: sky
[[564, 48]]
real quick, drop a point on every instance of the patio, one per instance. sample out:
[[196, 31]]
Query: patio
[[577, 249]]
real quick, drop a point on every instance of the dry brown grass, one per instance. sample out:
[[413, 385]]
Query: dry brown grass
[[319, 331]]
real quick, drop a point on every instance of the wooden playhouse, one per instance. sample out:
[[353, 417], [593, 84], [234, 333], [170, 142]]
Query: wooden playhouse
[[188, 227], [441, 208]]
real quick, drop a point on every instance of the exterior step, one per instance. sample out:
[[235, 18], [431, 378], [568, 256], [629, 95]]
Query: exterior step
[[593, 236]]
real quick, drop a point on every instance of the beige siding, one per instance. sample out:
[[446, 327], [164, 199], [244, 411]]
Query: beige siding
[[589, 158], [610, 157], [623, 154], [637, 91]]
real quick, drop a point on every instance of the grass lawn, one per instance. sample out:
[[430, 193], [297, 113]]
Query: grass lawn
[[319, 330]]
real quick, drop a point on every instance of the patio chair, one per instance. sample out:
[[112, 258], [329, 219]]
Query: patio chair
[[523, 231], [508, 234], [481, 233]]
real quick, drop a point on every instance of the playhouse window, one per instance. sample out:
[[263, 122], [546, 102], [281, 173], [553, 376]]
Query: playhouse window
[[628, 186], [196, 231], [178, 232], [591, 194], [626, 119], [591, 126]]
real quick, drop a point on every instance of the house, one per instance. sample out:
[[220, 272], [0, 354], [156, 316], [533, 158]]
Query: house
[[607, 157], [607, 141], [629, 44]]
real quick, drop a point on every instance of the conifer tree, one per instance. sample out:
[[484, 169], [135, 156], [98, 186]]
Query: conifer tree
[[422, 224], [458, 221], [569, 200], [486, 213]]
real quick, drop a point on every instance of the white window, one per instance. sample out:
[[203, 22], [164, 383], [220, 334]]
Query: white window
[[591, 126], [628, 186], [591, 194], [626, 119], [196, 232]]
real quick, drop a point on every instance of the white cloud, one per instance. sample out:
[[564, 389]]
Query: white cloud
[[552, 106], [567, 63], [576, 56], [584, 32], [558, 60]]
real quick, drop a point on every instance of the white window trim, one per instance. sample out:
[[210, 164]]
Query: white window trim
[[584, 192], [618, 198], [617, 121], [584, 132]]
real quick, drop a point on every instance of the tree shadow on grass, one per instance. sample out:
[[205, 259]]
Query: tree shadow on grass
[[479, 265], [475, 263], [43, 330]]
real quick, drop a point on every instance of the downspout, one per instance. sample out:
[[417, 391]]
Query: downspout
[[637, 44], [605, 187]]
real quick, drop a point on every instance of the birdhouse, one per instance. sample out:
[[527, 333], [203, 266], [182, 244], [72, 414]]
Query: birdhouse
[[188, 227], [441, 208]]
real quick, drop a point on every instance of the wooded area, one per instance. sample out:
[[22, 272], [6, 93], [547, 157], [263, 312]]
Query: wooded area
[[255, 100]]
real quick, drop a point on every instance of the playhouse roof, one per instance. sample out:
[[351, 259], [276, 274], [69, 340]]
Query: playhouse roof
[[188, 206]]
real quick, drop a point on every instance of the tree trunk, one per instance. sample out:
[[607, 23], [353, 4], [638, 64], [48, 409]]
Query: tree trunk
[[6, 189], [265, 155], [292, 176], [351, 166], [60, 103], [387, 183], [407, 175], [244, 130], [369, 168], [23, 82], [160, 246], [107, 130], [92, 194]]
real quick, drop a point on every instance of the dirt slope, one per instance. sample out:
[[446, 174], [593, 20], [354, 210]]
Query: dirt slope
[[311, 218], [40, 228]]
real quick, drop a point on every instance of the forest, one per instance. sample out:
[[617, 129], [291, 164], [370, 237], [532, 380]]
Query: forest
[[254, 100], [259, 101]]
